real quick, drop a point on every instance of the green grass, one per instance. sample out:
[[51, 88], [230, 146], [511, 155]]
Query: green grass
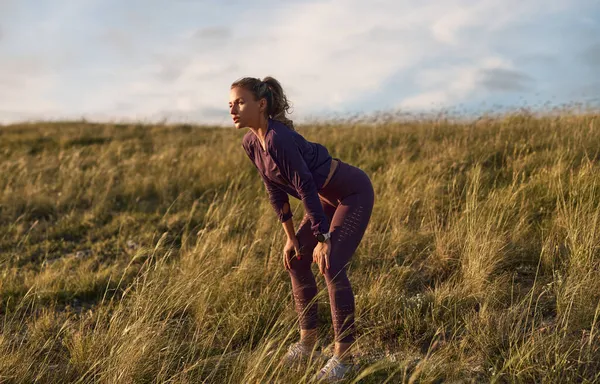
[[149, 253]]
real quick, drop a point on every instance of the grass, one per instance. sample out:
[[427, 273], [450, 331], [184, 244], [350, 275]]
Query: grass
[[149, 253]]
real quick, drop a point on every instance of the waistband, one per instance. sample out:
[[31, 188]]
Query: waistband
[[345, 181], [336, 171], [329, 192]]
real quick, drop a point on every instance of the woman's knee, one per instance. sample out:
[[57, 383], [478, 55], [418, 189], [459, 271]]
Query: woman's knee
[[336, 275], [301, 265]]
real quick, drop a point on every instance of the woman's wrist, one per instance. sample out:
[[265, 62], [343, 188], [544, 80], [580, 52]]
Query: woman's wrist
[[326, 242], [288, 228]]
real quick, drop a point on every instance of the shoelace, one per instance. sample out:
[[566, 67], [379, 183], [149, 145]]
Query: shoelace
[[333, 369], [297, 350]]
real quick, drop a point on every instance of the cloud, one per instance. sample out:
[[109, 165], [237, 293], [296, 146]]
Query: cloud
[[192, 114], [591, 55], [328, 54], [502, 79], [119, 40], [213, 33], [25, 81], [426, 99], [448, 85]]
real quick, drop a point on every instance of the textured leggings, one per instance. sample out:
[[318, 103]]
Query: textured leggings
[[347, 201]]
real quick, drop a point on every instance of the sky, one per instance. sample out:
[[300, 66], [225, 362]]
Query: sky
[[174, 60]]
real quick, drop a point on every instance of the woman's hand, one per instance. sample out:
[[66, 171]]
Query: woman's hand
[[321, 255], [291, 248]]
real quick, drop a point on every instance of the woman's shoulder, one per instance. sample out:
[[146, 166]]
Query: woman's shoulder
[[280, 135]]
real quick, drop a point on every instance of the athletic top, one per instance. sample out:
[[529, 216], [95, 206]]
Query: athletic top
[[291, 165]]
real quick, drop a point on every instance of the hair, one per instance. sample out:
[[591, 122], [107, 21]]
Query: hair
[[270, 89]]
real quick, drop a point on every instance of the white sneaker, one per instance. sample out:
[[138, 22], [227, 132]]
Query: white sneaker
[[297, 352], [335, 370]]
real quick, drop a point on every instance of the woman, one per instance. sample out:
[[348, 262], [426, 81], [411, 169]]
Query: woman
[[337, 197]]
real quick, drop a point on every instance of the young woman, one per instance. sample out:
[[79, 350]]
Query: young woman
[[337, 197]]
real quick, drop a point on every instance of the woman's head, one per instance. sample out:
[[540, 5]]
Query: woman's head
[[252, 99]]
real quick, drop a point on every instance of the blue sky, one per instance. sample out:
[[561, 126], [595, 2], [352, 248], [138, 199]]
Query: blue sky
[[149, 60]]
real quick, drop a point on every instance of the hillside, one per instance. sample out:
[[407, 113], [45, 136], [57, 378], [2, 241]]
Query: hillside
[[150, 253]]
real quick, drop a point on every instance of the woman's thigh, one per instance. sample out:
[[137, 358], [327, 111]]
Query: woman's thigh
[[306, 239], [348, 226]]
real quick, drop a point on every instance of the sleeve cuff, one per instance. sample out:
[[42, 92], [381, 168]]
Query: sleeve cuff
[[285, 216], [322, 228]]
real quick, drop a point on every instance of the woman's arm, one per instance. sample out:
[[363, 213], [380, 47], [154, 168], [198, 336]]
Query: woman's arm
[[291, 164], [288, 227], [277, 197]]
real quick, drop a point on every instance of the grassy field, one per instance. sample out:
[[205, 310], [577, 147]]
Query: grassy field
[[148, 253]]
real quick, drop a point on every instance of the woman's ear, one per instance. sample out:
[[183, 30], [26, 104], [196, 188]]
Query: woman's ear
[[262, 105]]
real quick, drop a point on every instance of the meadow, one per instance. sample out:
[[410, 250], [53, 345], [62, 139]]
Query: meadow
[[149, 253]]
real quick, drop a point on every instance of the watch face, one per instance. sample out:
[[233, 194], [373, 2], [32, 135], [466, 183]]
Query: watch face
[[320, 237]]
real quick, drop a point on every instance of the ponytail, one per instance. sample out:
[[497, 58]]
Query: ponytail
[[279, 102]]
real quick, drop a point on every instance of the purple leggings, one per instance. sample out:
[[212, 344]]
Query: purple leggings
[[348, 202]]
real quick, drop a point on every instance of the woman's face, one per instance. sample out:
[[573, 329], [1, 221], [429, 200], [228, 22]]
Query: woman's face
[[244, 110]]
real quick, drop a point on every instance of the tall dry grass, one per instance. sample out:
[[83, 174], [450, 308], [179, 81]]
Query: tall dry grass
[[148, 253]]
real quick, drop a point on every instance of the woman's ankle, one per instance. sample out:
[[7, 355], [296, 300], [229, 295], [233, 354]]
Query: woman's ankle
[[343, 351], [308, 337]]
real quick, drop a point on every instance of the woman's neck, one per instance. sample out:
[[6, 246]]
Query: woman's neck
[[261, 130]]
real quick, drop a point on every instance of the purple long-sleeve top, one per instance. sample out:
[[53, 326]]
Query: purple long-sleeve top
[[291, 165]]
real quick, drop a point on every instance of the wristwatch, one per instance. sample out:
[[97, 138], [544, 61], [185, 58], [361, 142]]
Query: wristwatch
[[323, 237]]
